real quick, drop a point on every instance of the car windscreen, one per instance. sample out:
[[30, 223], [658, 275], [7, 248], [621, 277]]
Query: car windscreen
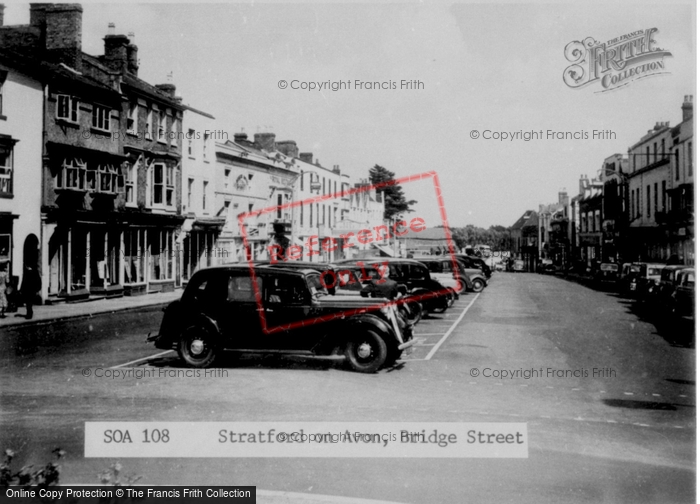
[[608, 267], [316, 285]]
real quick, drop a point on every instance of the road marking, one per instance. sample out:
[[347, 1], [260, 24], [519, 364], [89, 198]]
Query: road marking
[[452, 328], [142, 359]]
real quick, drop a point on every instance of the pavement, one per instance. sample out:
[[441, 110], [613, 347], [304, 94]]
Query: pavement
[[47, 314]]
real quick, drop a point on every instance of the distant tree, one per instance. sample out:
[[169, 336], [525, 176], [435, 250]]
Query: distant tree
[[394, 198]]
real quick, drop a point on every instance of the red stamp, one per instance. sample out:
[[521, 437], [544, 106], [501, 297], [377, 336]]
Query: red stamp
[[329, 244]]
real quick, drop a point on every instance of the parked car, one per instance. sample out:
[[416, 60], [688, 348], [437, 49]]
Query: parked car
[[410, 273], [218, 312], [519, 265], [682, 302], [470, 279], [368, 282], [473, 262], [628, 277], [546, 266], [647, 279], [607, 274]]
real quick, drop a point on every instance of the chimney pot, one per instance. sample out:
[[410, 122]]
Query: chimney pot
[[2, 14], [111, 29]]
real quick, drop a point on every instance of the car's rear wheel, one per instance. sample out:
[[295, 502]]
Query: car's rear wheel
[[196, 347], [366, 351], [477, 285]]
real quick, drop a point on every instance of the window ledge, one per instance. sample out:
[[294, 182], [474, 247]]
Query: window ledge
[[99, 131], [66, 122], [6, 195], [3, 117]]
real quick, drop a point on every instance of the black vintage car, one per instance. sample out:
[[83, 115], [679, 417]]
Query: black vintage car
[[415, 276], [293, 314], [470, 261]]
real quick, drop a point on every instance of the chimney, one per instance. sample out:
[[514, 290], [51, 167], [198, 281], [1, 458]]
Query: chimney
[[240, 137], [132, 56], [2, 14], [64, 28], [265, 141], [307, 157], [115, 49], [336, 169], [168, 89], [37, 15], [687, 107], [288, 148], [563, 198]]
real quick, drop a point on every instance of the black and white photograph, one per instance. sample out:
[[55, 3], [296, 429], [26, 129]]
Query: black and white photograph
[[326, 252]]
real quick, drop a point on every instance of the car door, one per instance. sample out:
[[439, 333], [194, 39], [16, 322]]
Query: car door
[[287, 303], [239, 318]]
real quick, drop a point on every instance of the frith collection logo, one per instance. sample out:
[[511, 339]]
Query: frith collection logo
[[615, 63]]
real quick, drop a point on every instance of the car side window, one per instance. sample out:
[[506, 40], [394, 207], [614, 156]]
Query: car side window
[[418, 273], [240, 288], [395, 271], [286, 290], [690, 280]]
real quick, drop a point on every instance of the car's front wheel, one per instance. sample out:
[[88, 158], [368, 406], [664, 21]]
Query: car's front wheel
[[196, 347], [366, 352], [477, 285]]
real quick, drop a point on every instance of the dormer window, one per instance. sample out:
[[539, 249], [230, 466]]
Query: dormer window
[[67, 108]]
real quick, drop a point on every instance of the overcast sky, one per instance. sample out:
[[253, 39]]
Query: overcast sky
[[483, 66]]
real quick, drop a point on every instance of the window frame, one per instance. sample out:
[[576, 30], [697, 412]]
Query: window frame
[[101, 116], [72, 108], [7, 171]]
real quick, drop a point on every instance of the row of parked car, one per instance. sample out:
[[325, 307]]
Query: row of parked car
[[668, 290], [360, 311]]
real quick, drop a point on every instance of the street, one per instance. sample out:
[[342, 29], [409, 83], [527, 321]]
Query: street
[[609, 403]]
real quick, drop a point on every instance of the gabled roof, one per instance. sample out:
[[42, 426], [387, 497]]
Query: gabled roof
[[529, 218]]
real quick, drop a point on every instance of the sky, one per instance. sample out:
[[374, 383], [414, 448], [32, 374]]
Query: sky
[[481, 67]]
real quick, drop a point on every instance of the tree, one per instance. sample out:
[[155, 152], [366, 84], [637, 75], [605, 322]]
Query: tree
[[394, 198]]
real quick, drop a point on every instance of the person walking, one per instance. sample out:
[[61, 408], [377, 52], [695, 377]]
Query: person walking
[[31, 284], [4, 282]]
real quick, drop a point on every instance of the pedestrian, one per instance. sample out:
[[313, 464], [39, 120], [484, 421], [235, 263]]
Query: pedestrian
[[31, 284], [4, 281]]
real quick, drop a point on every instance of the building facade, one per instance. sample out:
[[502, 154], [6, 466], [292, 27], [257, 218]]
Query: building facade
[[205, 214], [21, 131], [110, 180]]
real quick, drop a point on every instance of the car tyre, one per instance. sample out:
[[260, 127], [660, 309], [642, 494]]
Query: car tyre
[[477, 285], [196, 347], [366, 352], [412, 311]]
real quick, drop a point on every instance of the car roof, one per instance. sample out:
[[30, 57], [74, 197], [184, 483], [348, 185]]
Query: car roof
[[370, 260], [299, 265], [256, 267]]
